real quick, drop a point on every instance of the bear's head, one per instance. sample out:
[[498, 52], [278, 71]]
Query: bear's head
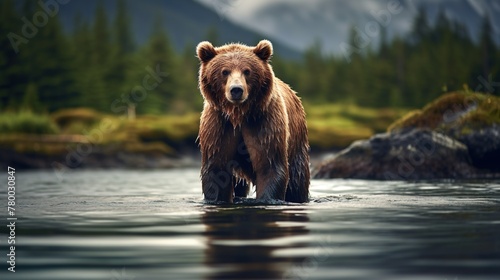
[[235, 75]]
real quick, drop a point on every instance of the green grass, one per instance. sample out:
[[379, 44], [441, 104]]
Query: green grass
[[26, 122], [24, 132], [338, 125]]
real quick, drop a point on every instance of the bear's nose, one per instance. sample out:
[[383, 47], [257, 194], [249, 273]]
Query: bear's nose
[[236, 92]]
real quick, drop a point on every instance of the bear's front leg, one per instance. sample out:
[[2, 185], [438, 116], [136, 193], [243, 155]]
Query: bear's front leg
[[269, 161], [218, 144], [217, 183], [272, 181]]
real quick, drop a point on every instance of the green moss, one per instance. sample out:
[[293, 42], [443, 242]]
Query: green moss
[[457, 111], [411, 119]]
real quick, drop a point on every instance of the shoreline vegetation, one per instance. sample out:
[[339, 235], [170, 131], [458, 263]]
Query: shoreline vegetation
[[85, 138]]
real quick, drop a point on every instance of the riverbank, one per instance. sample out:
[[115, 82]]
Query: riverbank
[[84, 138]]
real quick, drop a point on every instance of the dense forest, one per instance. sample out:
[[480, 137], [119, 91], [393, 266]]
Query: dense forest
[[99, 66]]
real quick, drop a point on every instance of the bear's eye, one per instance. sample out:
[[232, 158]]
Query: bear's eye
[[246, 72], [225, 72]]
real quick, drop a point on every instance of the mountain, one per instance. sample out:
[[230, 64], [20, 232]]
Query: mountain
[[299, 23], [187, 23]]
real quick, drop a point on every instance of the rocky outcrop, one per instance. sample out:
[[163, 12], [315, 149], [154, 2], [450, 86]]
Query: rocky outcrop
[[456, 137], [410, 155]]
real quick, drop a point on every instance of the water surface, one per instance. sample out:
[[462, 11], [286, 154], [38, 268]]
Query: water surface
[[123, 224]]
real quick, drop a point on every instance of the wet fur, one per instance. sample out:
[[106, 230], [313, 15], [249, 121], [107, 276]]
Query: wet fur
[[262, 141]]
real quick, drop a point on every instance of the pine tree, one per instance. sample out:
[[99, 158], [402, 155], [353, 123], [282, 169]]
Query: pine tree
[[31, 101], [420, 27], [88, 73], [101, 48], [314, 79], [399, 72], [486, 49], [118, 78], [159, 55], [355, 84], [12, 81], [46, 62], [122, 29], [95, 45], [383, 47], [188, 92], [56, 82]]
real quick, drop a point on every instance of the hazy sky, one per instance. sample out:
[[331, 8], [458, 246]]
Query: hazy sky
[[299, 23], [244, 12], [240, 10]]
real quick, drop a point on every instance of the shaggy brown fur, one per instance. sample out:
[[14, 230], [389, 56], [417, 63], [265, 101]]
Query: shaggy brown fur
[[253, 127]]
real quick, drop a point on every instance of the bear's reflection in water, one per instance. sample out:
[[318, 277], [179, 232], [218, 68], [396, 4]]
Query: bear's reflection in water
[[242, 241]]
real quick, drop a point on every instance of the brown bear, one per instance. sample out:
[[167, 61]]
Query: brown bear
[[252, 129]]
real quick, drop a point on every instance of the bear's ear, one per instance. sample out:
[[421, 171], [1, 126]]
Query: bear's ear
[[205, 51], [264, 50]]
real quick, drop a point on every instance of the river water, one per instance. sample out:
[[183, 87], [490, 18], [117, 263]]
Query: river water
[[140, 224]]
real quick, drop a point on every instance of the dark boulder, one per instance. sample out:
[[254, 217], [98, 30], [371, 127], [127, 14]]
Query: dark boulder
[[484, 147], [413, 154]]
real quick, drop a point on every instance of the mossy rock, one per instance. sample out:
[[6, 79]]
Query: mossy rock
[[471, 118], [453, 114]]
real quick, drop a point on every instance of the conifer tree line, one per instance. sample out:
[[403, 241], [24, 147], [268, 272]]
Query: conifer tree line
[[407, 71], [98, 65]]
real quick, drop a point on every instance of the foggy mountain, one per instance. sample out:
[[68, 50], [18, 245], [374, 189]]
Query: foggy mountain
[[187, 23], [299, 24]]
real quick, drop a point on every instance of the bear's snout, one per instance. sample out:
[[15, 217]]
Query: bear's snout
[[236, 92], [236, 87]]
